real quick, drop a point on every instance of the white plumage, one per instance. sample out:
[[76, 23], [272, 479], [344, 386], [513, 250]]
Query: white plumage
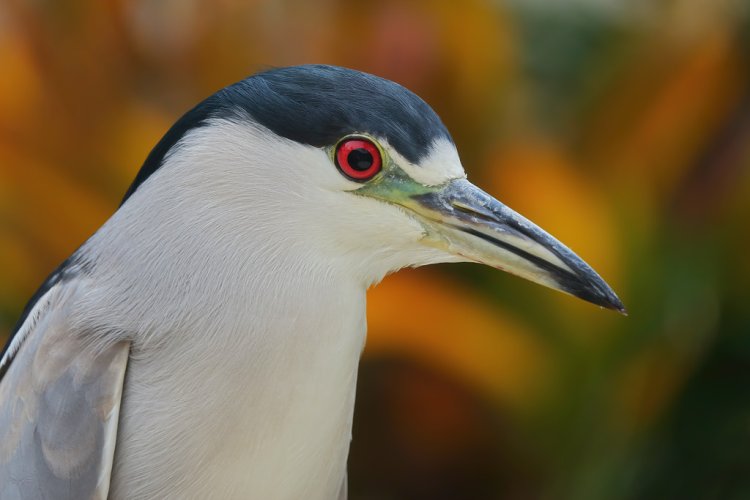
[[229, 292], [266, 294]]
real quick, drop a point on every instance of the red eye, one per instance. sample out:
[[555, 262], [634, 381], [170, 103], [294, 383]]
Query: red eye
[[358, 159]]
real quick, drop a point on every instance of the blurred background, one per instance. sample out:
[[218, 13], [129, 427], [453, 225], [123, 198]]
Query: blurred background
[[621, 126]]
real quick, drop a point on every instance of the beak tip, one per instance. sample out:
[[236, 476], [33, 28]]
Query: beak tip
[[618, 306], [610, 300], [596, 291]]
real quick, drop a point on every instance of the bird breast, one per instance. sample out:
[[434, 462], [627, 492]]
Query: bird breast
[[255, 400]]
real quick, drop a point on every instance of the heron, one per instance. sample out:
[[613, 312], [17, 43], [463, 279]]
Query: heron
[[204, 342]]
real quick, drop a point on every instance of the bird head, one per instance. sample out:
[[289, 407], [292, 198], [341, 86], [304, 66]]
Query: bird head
[[358, 170]]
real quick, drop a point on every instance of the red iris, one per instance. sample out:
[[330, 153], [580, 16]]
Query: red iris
[[358, 159]]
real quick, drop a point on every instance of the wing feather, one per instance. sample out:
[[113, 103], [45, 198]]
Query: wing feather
[[59, 409]]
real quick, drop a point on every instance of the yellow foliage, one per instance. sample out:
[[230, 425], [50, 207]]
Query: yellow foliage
[[423, 316]]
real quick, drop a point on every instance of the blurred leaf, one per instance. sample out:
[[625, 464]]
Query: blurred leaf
[[432, 319]]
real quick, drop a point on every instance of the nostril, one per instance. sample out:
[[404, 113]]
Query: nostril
[[472, 210]]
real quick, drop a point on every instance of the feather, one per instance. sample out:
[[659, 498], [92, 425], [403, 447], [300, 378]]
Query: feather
[[59, 407]]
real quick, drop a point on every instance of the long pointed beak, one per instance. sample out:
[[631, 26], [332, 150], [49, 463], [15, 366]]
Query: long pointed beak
[[464, 220]]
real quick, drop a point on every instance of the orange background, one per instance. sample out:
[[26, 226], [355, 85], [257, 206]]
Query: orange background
[[622, 127]]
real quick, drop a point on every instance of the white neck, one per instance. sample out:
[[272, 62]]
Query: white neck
[[245, 346]]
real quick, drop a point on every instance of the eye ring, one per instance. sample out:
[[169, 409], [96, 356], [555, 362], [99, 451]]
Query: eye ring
[[358, 158]]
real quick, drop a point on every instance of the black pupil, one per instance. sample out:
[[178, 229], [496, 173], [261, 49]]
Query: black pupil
[[360, 159]]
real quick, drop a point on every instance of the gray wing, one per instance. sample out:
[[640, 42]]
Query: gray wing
[[59, 408]]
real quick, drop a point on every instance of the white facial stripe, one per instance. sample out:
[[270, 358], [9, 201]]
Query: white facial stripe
[[441, 165]]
